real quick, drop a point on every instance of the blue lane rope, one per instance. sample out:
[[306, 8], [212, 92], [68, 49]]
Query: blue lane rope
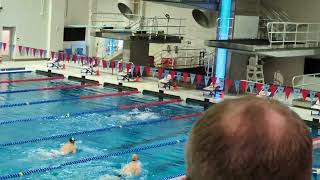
[[172, 177], [18, 91], [56, 117], [12, 69], [38, 102], [16, 72], [94, 158], [78, 133]]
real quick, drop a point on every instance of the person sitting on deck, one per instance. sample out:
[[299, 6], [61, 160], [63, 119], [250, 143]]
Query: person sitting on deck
[[133, 168], [55, 63], [249, 138], [69, 147], [167, 82]]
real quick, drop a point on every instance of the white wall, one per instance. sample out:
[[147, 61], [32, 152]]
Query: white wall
[[31, 27], [56, 25], [77, 12], [298, 10]]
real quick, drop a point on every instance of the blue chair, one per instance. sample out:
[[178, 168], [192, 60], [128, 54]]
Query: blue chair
[[68, 51], [79, 51]]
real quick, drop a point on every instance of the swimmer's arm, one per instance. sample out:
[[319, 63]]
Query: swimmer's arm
[[74, 150]]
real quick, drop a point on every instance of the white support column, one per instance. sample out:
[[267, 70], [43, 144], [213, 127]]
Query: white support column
[[56, 19], [90, 40]]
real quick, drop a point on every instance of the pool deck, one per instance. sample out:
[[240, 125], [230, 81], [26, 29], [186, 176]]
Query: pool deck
[[148, 83]]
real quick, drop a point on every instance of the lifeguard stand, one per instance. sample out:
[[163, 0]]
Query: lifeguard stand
[[255, 70]]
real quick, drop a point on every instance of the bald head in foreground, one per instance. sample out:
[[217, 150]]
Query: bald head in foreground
[[249, 139]]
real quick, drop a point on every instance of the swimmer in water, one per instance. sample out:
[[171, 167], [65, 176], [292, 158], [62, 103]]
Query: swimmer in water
[[133, 168], [69, 147]]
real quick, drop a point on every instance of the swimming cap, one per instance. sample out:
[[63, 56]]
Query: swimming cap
[[72, 139]]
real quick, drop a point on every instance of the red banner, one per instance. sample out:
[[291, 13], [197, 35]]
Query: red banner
[[259, 87], [318, 94], [287, 91], [4, 46], [305, 93], [112, 65], [137, 69], [52, 55], [185, 76], [75, 58], [160, 72], [199, 78], [213, 81], [41, 52], [273, 89], [27, 50], [120, 67], [229, 83], [82, 59], [104, 64], [128, 67], [34, 51], [147, 70], [20, 49], [243, 85], [173, 74]]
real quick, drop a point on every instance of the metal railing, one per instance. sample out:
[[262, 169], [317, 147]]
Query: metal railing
[[183, 58], [300, 81], [291, 34], [231, 24]]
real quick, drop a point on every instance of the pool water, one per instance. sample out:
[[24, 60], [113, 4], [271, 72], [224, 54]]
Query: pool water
[[158, 162]]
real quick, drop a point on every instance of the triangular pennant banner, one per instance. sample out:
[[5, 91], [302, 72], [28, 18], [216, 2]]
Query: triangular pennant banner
[[305, 93], [41, 52], [243, 85], [192, 77], [19, 48], [185, 76], [160, 72], [153, 70], [52, 55], [128, 67], [237, 85], [312, 95], [206, 80], [27, 50], [141, 70], [280, 89], [229, 83], [166, 72], [297, 92], [287, 91], [179, 76], [173, 74], [75, 58], [104, 64], [318, 95], [34, 51], [259, 87], [132, 68], [137, 69], [199, 78], [251, 86], [266, 88], [0, 46], [147, 69], [213, 81], [4, 46], [273, 89], [45, 53], [108, 64]]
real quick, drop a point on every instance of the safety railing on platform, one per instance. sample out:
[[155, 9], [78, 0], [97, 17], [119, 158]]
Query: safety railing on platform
[[183, 58], [230, 26], [303, 81], [293, 35], [162, 26]]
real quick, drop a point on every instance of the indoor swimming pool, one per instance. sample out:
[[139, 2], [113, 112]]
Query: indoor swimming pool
[[108, 130], [109, 126]]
